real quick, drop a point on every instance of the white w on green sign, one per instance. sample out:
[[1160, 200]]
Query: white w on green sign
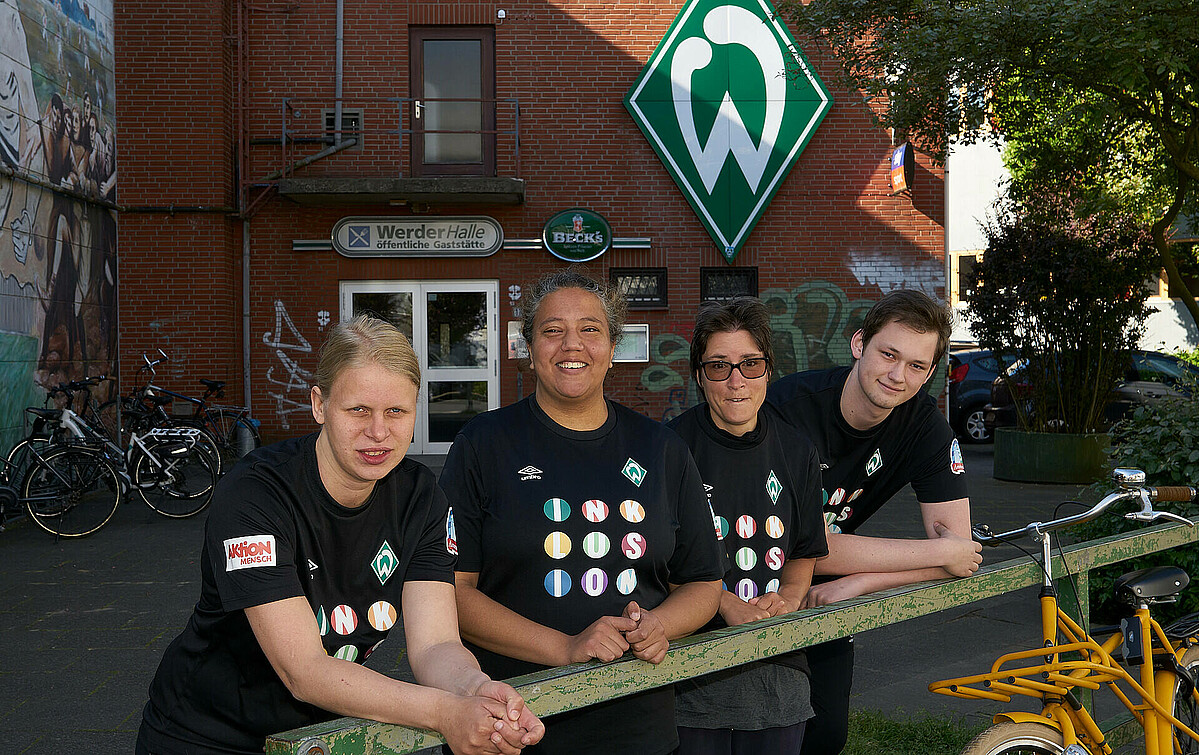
[[728, 103]]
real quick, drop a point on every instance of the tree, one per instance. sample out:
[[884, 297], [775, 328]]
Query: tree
[[940, 70], [1062, 292]]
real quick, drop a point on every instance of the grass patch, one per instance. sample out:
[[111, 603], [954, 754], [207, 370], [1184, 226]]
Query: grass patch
[[872, 732]]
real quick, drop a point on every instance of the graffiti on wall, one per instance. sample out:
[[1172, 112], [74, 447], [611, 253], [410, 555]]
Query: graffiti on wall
[[289, 382], [811, 324], [57, 228]]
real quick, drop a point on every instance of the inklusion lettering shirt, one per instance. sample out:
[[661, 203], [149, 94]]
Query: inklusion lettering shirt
[[274, 533], [564, 527], [863, 469]]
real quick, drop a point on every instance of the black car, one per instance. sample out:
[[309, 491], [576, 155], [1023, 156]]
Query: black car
[[1151, 376], [971, 373]]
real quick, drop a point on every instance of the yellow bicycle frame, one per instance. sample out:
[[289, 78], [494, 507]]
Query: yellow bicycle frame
[[1053, 680]]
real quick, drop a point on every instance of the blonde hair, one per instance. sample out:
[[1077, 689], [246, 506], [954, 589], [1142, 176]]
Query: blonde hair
[[363, 340]]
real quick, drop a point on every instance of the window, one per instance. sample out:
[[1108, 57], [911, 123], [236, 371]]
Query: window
[[961, 275], [643, 287], [725, 283], [351, 125]]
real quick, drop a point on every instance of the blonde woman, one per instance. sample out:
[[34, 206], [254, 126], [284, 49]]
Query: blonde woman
[[314, 548]]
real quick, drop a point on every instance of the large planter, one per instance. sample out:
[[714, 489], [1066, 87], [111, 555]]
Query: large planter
[[1050, 457]]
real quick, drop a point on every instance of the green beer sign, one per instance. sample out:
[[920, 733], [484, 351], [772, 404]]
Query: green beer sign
[[577, 235], [728, 103]]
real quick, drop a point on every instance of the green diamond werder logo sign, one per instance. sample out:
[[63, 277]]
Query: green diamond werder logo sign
[[728, 103]]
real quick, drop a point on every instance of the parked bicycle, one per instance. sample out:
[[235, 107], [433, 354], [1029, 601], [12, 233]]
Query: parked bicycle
[[232, 428], [63, 462], [1161, 695]]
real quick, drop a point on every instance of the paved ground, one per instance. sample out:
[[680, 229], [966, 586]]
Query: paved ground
[[83, 623]]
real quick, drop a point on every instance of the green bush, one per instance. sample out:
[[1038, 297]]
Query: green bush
[[1060, 291], [1188, 355], [1162, 439]]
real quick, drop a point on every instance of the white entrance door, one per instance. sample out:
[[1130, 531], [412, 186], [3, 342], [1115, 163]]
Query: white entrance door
[[454, 327]]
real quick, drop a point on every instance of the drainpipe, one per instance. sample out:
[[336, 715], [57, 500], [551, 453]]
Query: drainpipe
[[948, 269], [245, 308], [337, 75]]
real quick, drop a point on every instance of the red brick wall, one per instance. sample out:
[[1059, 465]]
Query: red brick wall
[[831, 241]]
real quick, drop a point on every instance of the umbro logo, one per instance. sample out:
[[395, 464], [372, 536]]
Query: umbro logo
[[530, 473]]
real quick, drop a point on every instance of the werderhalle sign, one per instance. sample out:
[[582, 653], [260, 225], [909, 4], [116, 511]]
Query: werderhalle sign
[[473, 236]]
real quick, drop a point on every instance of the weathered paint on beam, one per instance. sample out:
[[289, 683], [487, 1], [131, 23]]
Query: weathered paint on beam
[[558, 689]]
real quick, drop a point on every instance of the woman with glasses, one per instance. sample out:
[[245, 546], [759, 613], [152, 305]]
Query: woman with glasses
[[582, 526], [763, 482]]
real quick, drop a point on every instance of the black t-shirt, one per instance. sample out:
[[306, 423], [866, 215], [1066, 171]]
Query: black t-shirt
[[863, 469], [764, 489], [275, 533], [564, 527]]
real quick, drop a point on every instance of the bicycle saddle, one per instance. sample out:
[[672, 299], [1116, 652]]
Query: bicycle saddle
[[213, 385], [158, 400], [1154, 582], [44, 413]]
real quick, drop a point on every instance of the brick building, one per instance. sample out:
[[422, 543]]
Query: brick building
[[481, 119]]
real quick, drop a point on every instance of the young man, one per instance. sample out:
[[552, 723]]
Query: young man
[[876, 431]]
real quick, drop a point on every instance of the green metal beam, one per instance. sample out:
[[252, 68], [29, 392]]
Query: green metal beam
[[567, 687]]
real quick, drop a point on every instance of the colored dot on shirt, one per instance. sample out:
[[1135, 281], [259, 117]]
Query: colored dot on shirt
[[632, 511], [381, 615], [746, 559], [626, 581], [774, 527], [746, 589], [557, 583], [557, 545], [595, 510], [556, 510], [774, 558], [594, 582], [596, 545], [746, 526], [344, 619]]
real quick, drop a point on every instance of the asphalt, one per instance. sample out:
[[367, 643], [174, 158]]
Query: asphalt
[[83, 623]]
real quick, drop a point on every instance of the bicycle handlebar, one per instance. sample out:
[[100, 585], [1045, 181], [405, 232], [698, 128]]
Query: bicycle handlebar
[[1132, 489]]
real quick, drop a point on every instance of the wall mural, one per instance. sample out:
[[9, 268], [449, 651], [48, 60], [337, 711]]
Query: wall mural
[[57, 186], [812, 324]]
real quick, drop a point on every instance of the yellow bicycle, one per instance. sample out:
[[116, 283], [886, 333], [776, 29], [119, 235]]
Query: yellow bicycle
[[1161, 694]]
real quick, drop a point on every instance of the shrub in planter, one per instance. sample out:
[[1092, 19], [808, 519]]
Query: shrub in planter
[[1161, 438], [1064, 293]]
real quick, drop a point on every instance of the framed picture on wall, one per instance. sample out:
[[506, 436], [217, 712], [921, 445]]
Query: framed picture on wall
[[634, 345]]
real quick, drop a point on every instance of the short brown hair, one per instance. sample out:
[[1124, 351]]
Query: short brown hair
[[743, 313], [914, 309], [363, 340]]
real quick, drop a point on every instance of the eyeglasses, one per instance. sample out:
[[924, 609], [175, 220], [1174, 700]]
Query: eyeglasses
[[719, 370]]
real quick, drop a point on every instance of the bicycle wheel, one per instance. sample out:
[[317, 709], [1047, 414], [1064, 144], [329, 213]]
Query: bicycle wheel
[[1186, 707], [70, 491], [175, 485], [235, 434], [1017, 739]]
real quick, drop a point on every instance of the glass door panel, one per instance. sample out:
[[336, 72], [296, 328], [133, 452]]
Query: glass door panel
[[453, 71], [394, 307], [457, 328], [452, 405], [453, 329]]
